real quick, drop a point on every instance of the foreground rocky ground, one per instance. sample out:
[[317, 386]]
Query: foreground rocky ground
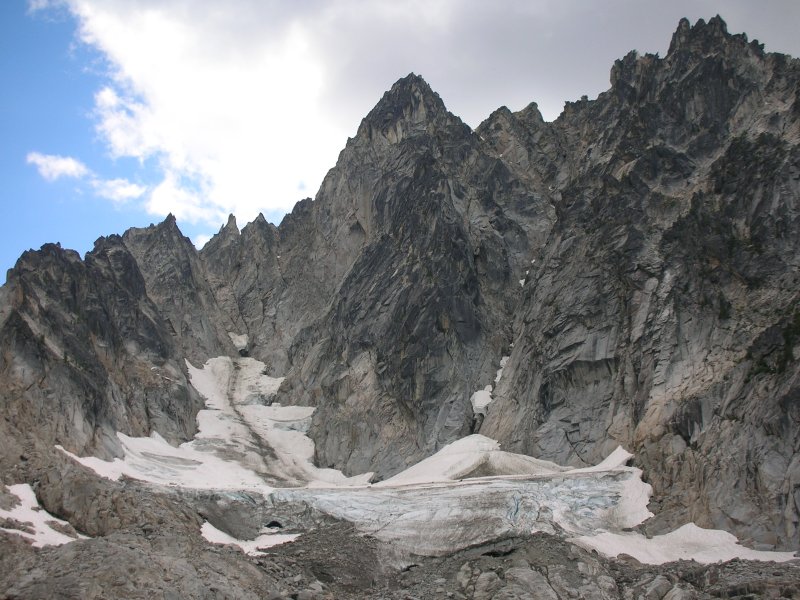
[[335, 562], [147, 544]]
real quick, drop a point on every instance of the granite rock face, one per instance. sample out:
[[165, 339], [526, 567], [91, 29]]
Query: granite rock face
[[426, 288], [637, 258], [177, 282], [86, 353], [662, 312], [389, 299]]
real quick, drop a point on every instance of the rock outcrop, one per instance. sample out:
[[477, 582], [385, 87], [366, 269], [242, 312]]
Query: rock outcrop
[[176, 280], [86, 353], [388, 300]]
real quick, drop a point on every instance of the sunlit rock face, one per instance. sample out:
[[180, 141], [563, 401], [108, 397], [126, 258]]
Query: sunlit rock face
[[633, 264], [662, 312]]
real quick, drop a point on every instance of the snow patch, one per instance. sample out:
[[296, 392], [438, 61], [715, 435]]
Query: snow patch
[[688, 542], [503, 363], [226, 382], [473, 456], [39, 524], [481, 399], [191, 465], [239, 341], [618, 458], [251, 547], [241, 391], [469, 492]]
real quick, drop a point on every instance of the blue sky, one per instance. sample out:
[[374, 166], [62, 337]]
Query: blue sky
[[114, 113], [45, 104]]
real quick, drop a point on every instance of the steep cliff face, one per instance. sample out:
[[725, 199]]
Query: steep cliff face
[[428, 272], [177, 282], [662, 312], [388, 299], [85, 354], [637, 258], [245, 275]]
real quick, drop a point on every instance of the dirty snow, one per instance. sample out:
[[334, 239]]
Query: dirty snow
[[472, 456], [34, 517], [242, 393], [472, 492], [190, 465], [251, 547], [631, 507]]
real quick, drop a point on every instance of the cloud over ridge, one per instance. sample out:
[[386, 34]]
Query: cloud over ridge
[[244, 107], [53, 167]]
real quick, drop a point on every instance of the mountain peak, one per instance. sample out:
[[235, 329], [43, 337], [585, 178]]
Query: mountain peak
[[230, 226], [409, 91], [408, 106], [412, 82], [168, 225], [705, 37]]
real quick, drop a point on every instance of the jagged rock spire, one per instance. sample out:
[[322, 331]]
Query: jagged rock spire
[[230, 227], [706, 37], [408, 107]]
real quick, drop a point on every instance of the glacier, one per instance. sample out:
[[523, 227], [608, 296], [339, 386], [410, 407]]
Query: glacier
[[469, 492]]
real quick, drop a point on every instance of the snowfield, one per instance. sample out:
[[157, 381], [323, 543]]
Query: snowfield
[[34, 523], [251, 547], [481, 399], [241, 442], [469, 492]]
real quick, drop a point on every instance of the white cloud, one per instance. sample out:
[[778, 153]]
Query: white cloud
[[39, 5], [234, 121], [242, 107], [239, 103], [200, 240], [117, 190], [183, 199], [52, 166], [124, 125]]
